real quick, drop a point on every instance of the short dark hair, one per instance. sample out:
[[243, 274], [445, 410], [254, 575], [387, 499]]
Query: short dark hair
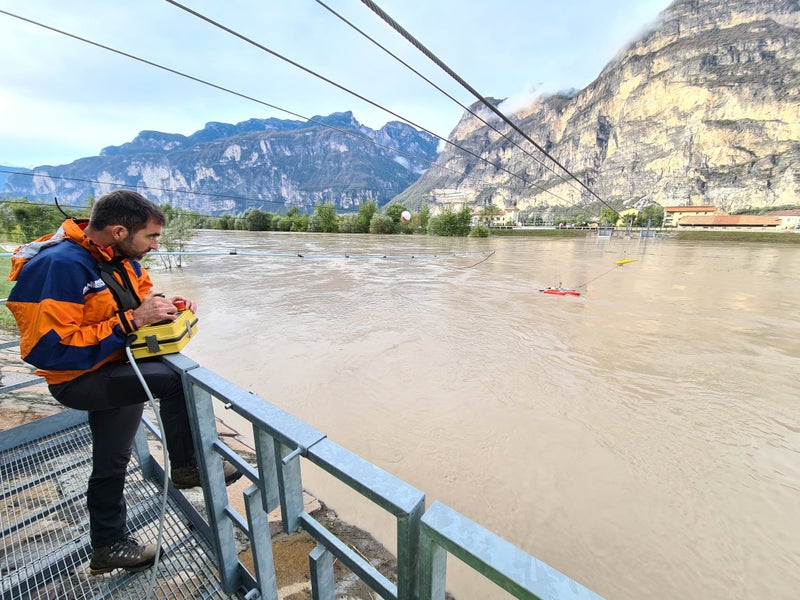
[[127, 208]]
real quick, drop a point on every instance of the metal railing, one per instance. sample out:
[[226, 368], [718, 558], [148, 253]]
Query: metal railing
[[423, 538], [281, 441]]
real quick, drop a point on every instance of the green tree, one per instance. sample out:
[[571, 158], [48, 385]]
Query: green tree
[[451, 223], [365, 212], [283, 223], [394, 211], [257, 220], [410, 226], [347, 223], [35, 220], [489, 212], [424, 216], [226, 222], [324, 219], [299, 223], [480, 230], [580, 219], [180, 228], [652, 213], [381, 224], [8, 224], [608, 216]]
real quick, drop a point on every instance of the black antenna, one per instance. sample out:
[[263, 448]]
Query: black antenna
[[55, 199]]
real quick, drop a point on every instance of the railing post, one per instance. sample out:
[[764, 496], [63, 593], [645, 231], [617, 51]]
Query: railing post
[[267, 468], [290, 486], [204, 431], [323, 585], [408, 531], [444, 531], [432, 568], [261, 543]]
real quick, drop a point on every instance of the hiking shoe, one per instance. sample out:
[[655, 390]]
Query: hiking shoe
[[188, 477], [126, 554]]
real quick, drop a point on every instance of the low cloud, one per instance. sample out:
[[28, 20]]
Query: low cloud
[[520, 100]]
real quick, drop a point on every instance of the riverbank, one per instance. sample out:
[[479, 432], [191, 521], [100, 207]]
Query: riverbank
[[772, 237], [290, 552], [694, 235]]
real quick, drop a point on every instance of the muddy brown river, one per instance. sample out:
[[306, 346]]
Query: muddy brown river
[[643, 438]]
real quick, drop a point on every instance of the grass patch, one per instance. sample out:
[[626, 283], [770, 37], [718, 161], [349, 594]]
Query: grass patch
[[7, 322], [772, 237]]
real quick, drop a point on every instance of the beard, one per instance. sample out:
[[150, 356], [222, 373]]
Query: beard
[[124, 249]]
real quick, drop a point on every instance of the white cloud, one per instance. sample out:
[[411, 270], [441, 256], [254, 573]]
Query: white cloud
[[520, 100], [64, 99]]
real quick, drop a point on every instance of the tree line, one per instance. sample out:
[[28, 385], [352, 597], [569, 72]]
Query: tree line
[[22, 221]]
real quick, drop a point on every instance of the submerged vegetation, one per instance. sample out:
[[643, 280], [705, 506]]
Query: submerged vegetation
[[23, 221]]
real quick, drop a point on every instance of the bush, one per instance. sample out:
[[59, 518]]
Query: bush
[[451, 223], [381, 224], [347, 224], [479, 231], [324, 219]]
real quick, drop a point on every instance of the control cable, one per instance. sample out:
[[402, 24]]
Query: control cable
[[165, 494]]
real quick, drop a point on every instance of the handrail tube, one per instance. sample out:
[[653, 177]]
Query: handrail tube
[[290, 487], [369, 574], [390, 493], [423, 537], [267, 468], [444, 529], [386, 490], [290, 430], [244, 468]]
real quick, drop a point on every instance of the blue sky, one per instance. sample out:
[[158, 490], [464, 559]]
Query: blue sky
[[61, 99]]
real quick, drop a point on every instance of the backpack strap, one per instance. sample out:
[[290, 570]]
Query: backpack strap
[[115, 276]]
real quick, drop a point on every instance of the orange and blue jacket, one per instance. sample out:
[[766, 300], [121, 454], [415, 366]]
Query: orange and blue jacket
[[68, 318]]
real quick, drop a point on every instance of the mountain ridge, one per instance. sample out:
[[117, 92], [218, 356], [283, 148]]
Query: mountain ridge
[[270, 164], [701, 109]]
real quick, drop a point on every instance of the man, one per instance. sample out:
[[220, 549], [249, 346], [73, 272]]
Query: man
[[79, 292]]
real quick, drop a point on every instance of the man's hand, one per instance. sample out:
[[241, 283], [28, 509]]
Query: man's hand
[[154, 309], [190, 304]]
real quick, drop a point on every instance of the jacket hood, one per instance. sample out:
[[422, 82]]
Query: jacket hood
[[71, 229]]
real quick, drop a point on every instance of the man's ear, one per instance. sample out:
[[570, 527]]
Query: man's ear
[[119, 233]]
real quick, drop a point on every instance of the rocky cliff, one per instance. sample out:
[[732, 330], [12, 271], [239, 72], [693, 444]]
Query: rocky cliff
[[703, 109], [271, 164]]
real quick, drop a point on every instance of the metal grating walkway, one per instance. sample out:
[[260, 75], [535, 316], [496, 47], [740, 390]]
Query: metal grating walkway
[[44, 536]]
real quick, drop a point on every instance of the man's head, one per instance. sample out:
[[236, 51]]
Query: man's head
[[127, 208], [128, 222]]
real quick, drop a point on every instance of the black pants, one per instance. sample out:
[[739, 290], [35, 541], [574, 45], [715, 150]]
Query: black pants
[[114, 397]]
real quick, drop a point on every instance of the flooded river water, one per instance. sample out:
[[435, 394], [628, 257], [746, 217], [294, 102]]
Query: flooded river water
[[643, 438]]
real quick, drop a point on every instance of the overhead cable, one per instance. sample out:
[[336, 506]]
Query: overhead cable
[[438, 88], [297, 65], [273, 106], [419, 46]]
